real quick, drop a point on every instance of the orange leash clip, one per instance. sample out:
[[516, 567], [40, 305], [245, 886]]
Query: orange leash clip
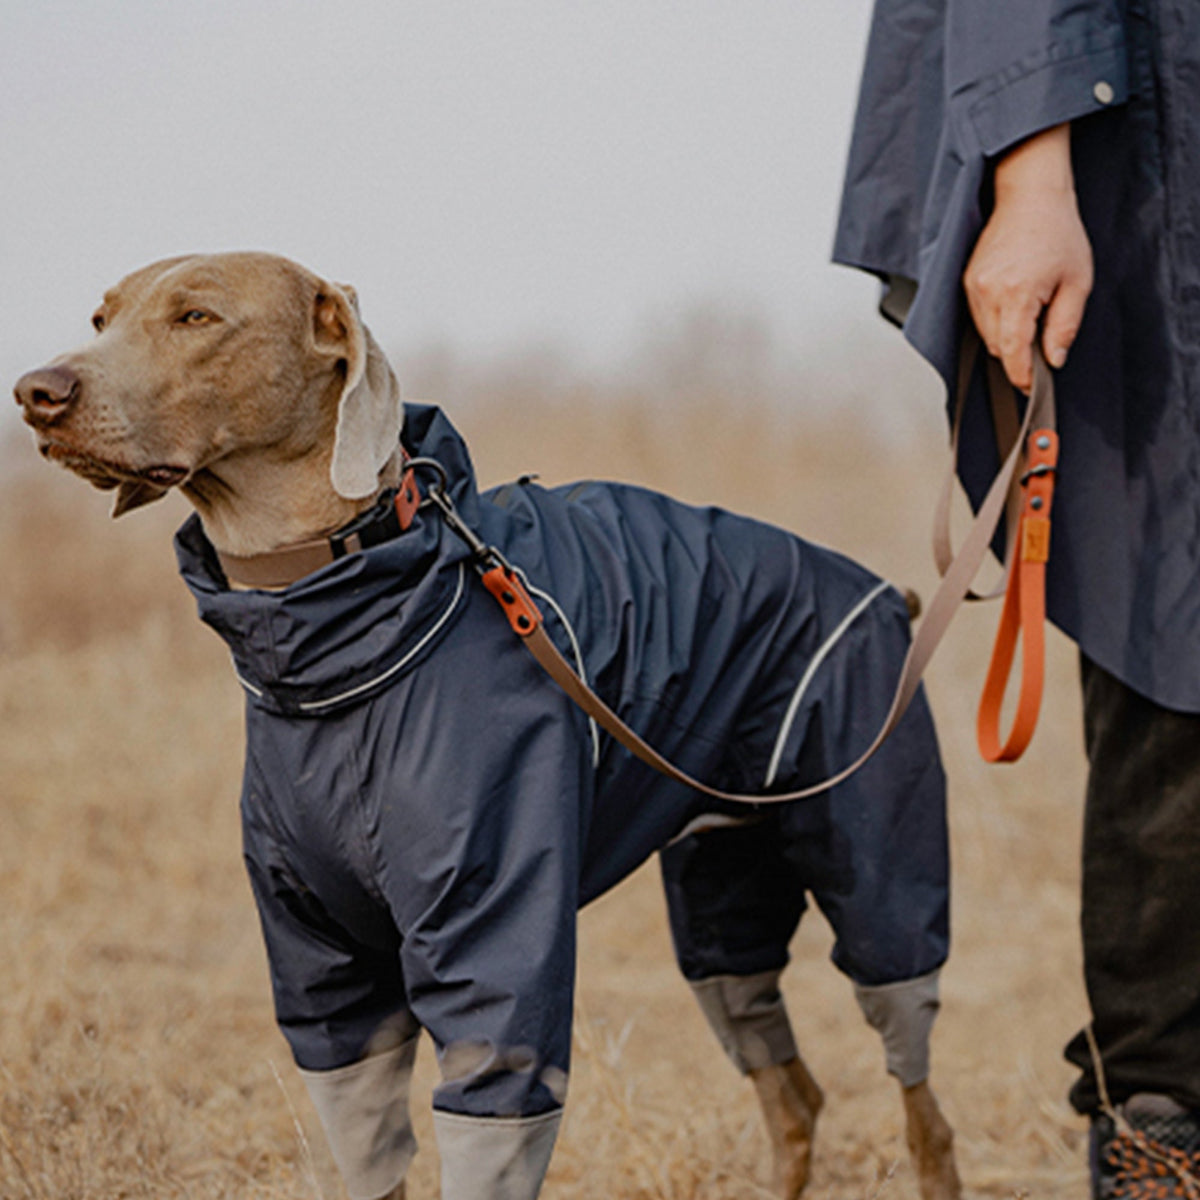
[[408, 495], [1024, 610], [523, 615]]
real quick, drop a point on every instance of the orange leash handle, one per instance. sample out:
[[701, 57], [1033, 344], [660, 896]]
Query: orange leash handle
[[1024, 611]]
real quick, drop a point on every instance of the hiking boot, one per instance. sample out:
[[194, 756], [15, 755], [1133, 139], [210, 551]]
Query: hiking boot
[[1156, 1158]]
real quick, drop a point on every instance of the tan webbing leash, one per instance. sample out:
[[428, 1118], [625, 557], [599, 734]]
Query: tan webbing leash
[[1025, 497], [526, 619], [1006, 426], [1027, 522]]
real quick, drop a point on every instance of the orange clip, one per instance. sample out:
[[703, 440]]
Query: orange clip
[[408, 497], [523, 615]]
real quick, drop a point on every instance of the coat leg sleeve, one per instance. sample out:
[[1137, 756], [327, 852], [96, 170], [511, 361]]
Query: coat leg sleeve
[[483, 875], [748, 1016], [903, 1014], [734, 904], [340, 1003], [494, 1159], [364, 1111]]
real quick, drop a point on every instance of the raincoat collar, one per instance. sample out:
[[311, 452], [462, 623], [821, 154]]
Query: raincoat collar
[[346, 631]]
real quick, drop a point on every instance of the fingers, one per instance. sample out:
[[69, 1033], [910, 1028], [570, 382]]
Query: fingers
[[1064, 314], [1033, 260], [1017, 332], [1009, 327], [1006, 315]]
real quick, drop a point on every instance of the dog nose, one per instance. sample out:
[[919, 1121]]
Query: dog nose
[[47, 393]]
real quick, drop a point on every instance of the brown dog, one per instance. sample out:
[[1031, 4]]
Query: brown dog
[[253, 386]]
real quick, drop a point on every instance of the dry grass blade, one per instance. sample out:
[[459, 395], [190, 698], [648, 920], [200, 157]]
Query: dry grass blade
[[301, 1136]]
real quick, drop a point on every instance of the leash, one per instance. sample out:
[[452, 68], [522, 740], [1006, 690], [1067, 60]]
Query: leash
[[1026, 496], [1027, 521], [525, 618]]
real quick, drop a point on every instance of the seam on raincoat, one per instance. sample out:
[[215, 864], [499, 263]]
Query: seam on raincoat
[[316, 706], [312, 706], [469, 1121], [254, 691]]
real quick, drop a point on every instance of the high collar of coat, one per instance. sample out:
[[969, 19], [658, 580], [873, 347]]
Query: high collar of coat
[[298, 648]]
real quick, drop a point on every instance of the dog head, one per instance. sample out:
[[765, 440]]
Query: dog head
[[202, 361]]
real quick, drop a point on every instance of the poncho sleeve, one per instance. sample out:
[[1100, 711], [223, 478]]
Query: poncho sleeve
[[949, 85]]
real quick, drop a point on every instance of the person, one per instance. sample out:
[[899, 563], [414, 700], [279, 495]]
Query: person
[[1033, 168]]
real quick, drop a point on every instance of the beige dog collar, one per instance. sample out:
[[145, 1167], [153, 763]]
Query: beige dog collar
[[388, 518]]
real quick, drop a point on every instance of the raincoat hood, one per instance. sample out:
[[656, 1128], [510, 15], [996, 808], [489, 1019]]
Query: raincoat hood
[[350, 628]]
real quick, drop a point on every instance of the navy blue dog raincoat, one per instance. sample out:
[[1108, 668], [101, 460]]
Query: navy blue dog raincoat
[[424, 810]]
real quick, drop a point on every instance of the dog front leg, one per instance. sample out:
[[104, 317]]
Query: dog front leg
[[903, 1014], [930, 1144], [364, 1110], [494, 1158], [748, 1015]]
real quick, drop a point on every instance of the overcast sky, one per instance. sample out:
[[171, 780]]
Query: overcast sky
[[490, 174]]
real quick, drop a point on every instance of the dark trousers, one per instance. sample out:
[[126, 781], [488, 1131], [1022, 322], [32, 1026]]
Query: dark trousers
[[1141, 896]]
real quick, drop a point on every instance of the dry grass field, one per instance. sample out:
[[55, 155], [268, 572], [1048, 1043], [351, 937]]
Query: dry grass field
[[138, 1057]]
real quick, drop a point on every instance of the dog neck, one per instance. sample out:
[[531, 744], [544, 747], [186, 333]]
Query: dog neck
[[260, 497], [251, 504]]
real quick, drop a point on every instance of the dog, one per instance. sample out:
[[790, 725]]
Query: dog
[[424, 809]]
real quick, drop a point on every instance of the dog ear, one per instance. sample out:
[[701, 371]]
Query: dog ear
[[370, 413], [133, 495]]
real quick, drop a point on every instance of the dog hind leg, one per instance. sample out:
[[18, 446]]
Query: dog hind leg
[[903, 1014], [790, 1100], [748, 1016]]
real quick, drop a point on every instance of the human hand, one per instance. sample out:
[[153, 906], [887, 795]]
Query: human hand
[[1033, 259]]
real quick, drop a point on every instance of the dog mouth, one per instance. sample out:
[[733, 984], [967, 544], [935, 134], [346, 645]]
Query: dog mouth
[[107, 474]]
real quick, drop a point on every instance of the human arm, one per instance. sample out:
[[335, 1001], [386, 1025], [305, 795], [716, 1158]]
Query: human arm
[[1033, 259], [943, 101]]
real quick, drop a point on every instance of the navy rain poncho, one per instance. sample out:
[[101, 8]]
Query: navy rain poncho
[[950, 85]]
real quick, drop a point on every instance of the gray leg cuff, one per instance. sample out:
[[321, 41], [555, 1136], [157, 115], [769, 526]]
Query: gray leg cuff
[[494, 1158], [748, 1016], [364, 1111], [903, 1014]]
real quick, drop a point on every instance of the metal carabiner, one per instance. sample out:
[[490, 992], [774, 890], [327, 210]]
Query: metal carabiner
[[484, 556], [432, 464]]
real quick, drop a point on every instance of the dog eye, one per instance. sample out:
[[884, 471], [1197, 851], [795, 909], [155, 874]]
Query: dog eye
[[98, 321], [195, 316]]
